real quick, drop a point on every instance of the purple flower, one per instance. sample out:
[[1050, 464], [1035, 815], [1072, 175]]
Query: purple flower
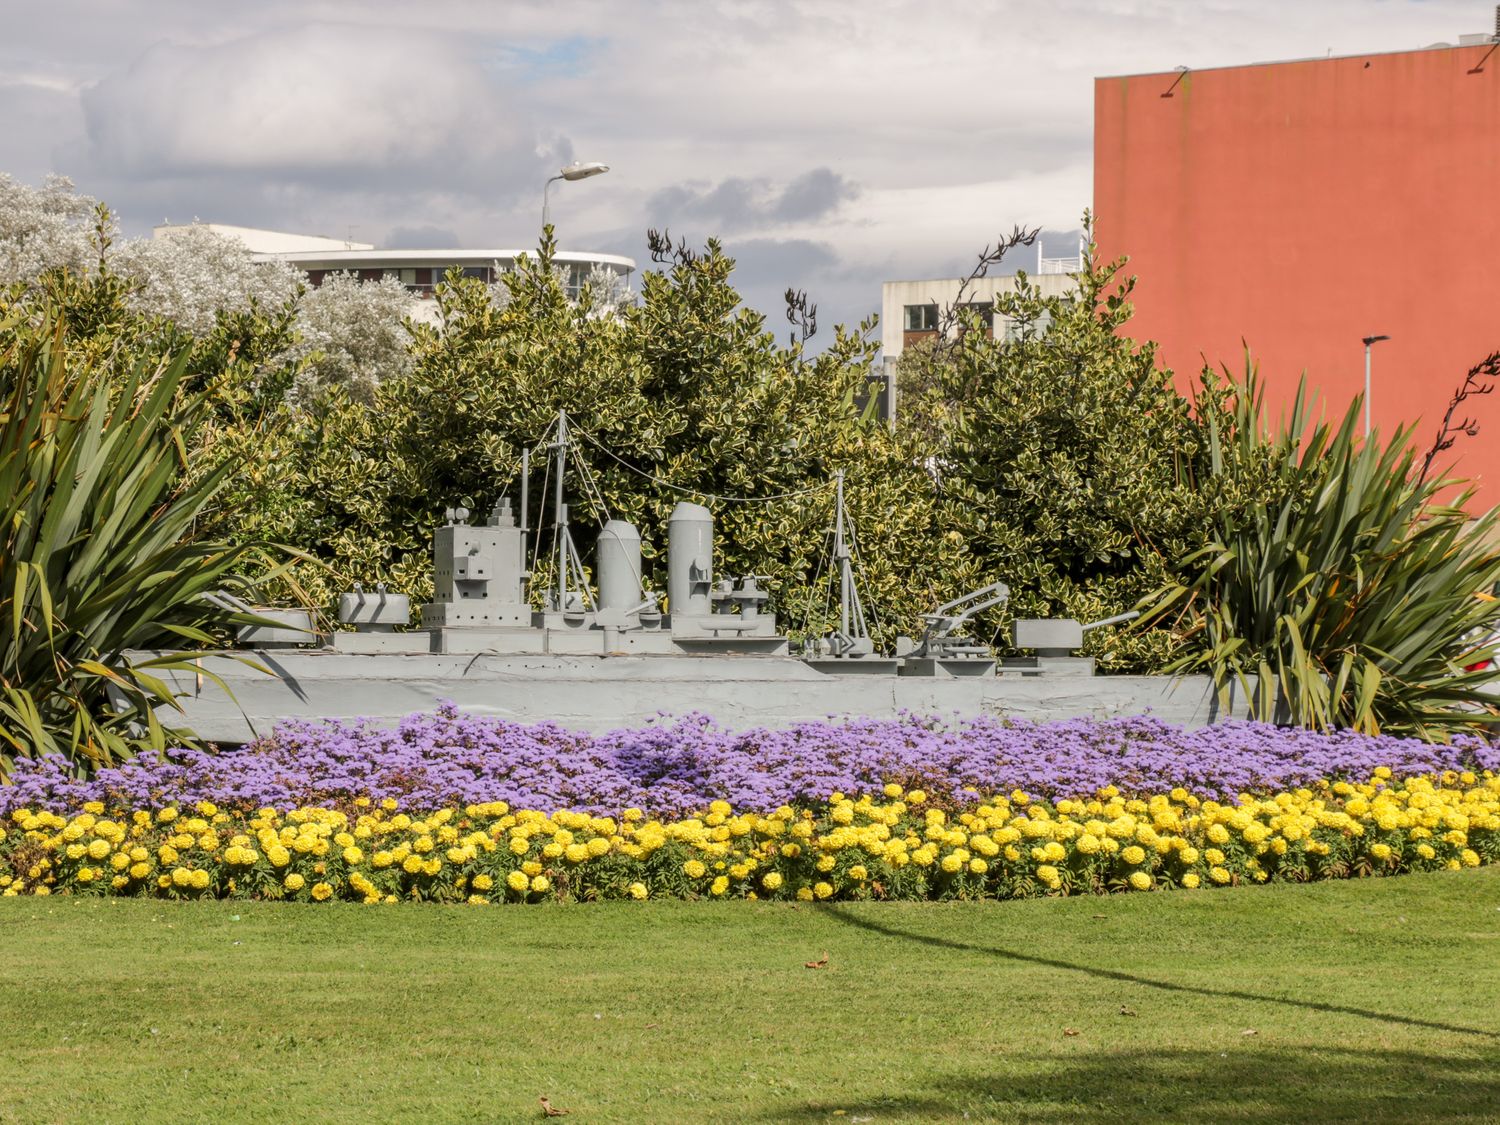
[[677, 767]]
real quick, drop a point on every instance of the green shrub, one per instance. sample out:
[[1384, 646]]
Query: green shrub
[[97, 546], [1337, 587]]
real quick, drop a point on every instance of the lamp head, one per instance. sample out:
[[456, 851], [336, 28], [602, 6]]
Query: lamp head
[[1374, 340], [577, 171]]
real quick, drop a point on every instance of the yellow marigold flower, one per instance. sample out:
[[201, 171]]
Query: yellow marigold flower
[[1470, 857], [94, 807], [86, 875], [978, 866], [576, 853], [892, 789], [353, 855], [166, 815], [1133, 854], [482, 882], [531, 867], [719, 886], [1190, 880], [1219, 875], [517, 881], [98, 849], [916, 797], [951, 863], [294, 882], [322, 892], [412, 864], [140, 870], [540, 884], [771, 880], [75, 851], [804, 894], [1218, 833], [1188, 856], [432, 866], [598, 846], [1140, 880], [1426, 851], [1380, 851], [182, 877], [694, 869]]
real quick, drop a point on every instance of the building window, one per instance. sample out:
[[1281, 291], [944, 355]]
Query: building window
[[986, 312], [921, 318]]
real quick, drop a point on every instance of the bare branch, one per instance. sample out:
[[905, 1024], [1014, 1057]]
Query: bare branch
[[801, 313], [659, 244], [1474, 385], [990, 257]]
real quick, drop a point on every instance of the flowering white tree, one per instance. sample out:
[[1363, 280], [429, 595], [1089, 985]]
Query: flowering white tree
[[194, 273], [608, 291], [352, 334], [50, 227]]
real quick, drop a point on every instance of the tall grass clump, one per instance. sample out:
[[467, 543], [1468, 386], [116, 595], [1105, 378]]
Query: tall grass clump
[[1340, 587]]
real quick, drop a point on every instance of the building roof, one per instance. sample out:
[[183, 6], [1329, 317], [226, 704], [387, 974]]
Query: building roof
[[371, 258], [1466, 43]]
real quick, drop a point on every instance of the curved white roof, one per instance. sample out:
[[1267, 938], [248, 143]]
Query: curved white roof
[[377, 259]]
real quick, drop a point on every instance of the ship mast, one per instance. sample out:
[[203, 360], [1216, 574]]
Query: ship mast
[[568, 565], [852, 627]]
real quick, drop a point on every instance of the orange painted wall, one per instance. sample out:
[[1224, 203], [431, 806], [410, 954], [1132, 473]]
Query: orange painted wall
[[1301, 206]]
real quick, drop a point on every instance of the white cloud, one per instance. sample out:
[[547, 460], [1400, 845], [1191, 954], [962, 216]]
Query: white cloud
[[954, 121], [319, 103]]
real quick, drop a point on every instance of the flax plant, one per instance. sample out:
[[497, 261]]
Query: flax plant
[[1338, 589], [97, 552]]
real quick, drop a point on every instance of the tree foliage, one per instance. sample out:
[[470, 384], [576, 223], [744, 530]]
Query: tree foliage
[[685, 395], [1055, 447]]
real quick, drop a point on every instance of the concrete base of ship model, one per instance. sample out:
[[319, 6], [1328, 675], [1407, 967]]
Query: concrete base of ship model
[[597, 693]]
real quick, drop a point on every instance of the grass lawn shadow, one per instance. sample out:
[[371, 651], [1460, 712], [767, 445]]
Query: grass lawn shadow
[[1262, 1085], [850, 918]]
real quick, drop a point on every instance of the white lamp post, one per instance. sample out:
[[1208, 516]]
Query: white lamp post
[[1369, 342], [574, 171]]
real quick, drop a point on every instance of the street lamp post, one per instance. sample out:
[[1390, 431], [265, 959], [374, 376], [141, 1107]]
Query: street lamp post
[[1369, 342], [574, 171]]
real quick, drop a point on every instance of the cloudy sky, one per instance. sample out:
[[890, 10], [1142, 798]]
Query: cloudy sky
[[831, 144]]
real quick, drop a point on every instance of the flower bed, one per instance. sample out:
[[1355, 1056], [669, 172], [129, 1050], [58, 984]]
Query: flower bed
[[448, 760], [894, 846], [446, 808]]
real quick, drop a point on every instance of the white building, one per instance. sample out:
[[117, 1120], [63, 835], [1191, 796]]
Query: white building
[[418, 270], [912, 310]]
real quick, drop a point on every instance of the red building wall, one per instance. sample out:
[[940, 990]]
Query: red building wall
[[1301, 206]]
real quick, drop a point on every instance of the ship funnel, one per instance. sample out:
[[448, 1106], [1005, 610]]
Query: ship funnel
[[690, 560], [619, 561]]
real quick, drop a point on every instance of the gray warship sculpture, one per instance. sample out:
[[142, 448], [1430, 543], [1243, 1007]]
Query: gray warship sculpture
[[613, 655]]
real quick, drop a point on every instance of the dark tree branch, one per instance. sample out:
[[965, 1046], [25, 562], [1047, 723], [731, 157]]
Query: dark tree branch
[[802, 314], [990, 257], [659, 244], [1475, 384]]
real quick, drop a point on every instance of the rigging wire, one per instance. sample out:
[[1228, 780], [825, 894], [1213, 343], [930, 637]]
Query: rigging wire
[[696, 491]]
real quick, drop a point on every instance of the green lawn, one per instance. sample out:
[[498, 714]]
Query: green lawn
[[1374, 1000]]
